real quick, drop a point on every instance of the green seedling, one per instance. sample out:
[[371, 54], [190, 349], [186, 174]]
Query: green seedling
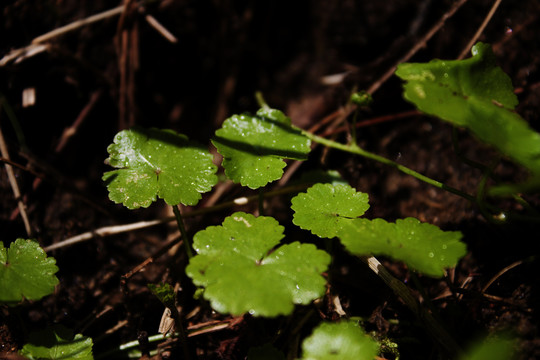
[[242, 266], [242, 271], [57, 343], [25, 272], [253, 147], [475, 94], [344, 340]]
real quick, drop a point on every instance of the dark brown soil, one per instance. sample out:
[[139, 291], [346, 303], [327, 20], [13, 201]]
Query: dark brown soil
[[121, 71]]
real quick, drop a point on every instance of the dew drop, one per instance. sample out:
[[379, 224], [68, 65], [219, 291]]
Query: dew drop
[[444, 246], [431, 254]]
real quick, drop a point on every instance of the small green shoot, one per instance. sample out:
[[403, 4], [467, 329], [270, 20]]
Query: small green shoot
[[241, 274], [25, 272], [362, 98], [476, 94], [344, 340], [325, 207], [57, 343], [253, 147], [158, 163]]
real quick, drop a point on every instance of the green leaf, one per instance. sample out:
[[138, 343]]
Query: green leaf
[[25, 272], [343, 340], [240, 274], [476, 94], [423, 247], [57, 343], [325, 207], [253, 147], [162, 163]]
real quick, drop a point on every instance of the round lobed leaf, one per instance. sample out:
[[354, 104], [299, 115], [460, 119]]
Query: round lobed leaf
[[344, 340], [25, 272], [158, 163], [239, 275], [325, 207], [423, 247], [253, 147]]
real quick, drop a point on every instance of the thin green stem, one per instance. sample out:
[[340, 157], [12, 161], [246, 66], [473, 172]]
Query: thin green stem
[[354, 149], [462, 157], [180, 223], [260, 100]]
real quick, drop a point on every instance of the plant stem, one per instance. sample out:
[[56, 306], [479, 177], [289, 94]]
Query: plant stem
[[260, 100], [354, 149], [180, 223], [401, 290]]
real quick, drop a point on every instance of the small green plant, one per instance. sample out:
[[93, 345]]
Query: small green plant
[[240, 265], [247, 265]]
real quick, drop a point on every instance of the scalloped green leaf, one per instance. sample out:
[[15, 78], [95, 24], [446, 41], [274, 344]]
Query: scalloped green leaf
[[476, 94], [423, 247], [25, 272], [253, 147], [344, 340], [158, 163], [325, 207], [240, 273], [57, 343]]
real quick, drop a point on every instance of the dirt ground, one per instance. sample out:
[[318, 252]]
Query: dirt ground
[[306, 58]]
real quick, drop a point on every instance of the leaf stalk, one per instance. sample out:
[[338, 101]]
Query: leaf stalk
[[355, 149], [181, 227]]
